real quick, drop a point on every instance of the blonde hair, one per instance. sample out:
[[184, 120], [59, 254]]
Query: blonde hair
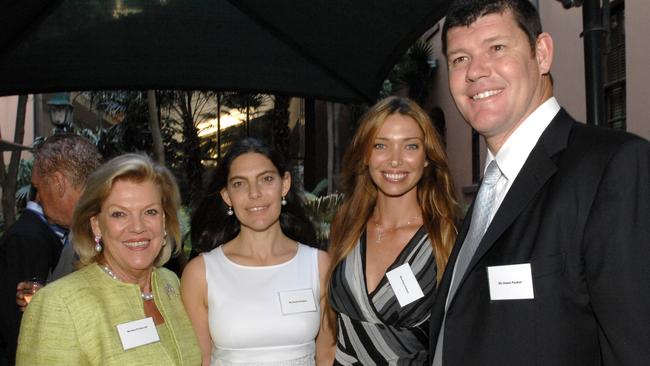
[[131, 167], [435, 190]]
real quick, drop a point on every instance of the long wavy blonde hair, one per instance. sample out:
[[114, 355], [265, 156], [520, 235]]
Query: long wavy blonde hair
[[435, 191]]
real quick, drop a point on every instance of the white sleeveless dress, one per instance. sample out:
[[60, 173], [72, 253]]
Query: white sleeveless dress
[[263, 315]]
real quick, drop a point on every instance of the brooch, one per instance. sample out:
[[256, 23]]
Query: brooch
[[170, 290]]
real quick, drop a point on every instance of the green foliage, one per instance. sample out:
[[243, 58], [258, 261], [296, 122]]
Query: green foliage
[[184, 217], [243, 101], [412, 72], [133, 134], [321, 211], [23, 182]]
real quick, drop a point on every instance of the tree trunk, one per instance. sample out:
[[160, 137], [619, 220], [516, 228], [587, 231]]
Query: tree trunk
[[219, 96], [154, 125], [281, 130], [9, 181], [331, 112], [191, 148]]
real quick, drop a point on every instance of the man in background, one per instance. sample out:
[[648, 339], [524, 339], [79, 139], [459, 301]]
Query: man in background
[[31, 247], [551, 263]]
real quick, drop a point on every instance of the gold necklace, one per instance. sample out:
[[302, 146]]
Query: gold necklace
[[381, 232]]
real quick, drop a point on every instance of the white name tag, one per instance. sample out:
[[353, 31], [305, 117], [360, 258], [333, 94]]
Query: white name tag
[[404, 284], [297, 301], [511, 282], [137, 333]]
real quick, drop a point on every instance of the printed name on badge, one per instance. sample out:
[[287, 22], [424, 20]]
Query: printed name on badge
[[297, 301], [404, 284], [511, 282], [137, 333]]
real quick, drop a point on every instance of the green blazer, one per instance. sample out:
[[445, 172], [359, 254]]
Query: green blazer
[[73, 322]]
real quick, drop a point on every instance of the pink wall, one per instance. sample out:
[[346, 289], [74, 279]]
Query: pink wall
[[8, 107], [637, 49]]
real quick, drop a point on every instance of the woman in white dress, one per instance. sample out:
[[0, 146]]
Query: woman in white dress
[[254, 294]]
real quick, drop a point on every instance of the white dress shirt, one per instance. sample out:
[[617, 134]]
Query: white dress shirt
[[514, 152]]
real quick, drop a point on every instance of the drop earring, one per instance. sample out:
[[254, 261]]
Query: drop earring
[[284, 201], [98, 243], [230, 212]]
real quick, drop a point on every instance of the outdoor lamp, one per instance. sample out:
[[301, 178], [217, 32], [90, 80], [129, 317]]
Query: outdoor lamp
[[60, 110]]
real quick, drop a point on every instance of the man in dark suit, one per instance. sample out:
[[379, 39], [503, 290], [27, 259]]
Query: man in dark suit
[[30, 247], [553, 268]]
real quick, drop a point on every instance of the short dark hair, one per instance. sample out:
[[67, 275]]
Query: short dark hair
[[465, 12], [73, 155], [211, 227]]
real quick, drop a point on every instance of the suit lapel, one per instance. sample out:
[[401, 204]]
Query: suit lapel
[[537, 170]]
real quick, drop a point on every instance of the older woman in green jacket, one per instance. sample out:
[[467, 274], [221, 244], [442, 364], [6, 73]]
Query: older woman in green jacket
[[120, 308]]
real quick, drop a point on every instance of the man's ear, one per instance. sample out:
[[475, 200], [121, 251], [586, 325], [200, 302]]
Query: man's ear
[[544, 52], [60, 183]]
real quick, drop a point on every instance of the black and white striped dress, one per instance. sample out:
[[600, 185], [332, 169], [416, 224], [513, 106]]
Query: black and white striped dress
[[373, 328]]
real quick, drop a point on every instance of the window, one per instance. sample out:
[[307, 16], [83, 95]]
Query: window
[[615, 67]]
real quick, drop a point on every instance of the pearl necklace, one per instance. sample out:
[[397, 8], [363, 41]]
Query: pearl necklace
[[146, 296], [380, 232]]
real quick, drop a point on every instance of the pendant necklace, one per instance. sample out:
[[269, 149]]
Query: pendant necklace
[[381, 232], [146, 296]]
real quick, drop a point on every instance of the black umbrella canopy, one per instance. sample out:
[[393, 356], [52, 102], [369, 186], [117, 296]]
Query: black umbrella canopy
[[337, 50]]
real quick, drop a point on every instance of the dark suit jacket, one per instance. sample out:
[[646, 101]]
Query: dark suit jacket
[[579, 213], [28, 249]]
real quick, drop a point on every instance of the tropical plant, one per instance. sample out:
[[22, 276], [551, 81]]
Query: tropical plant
[[132, 134], [179, 112], [186, 109], [321, 211], [23, 183], [412, 73]]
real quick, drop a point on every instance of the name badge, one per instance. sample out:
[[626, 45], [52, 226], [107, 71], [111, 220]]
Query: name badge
[[511, 282], [404, 284], [297, 301], [137, 333]]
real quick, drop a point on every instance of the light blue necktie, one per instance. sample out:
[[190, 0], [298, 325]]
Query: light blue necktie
[[481, 216]]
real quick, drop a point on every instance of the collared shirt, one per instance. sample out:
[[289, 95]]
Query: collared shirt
[[36, 208], [61, 232], [514, 152]]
